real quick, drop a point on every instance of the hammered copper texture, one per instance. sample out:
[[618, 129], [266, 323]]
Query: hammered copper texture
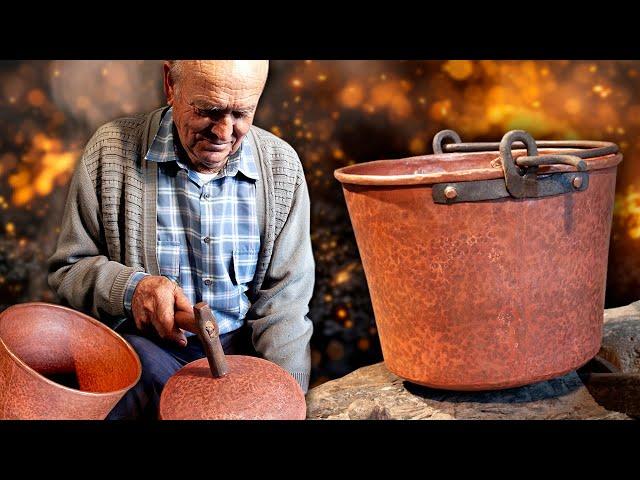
[[38, 339], [254, 389], [483, 295]]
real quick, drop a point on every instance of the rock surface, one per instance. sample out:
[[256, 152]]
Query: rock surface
[[375, 393], [621, 338]]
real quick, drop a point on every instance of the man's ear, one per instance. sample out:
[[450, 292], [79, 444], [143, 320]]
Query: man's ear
[[169, 87]]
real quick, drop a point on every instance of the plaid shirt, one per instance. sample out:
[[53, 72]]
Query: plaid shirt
[[208, 237]]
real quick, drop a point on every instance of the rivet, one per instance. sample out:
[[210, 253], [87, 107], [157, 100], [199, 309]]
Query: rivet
[[577, 182], [450, 192]]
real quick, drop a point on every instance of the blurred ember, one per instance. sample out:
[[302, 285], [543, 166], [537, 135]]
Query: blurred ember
[[334, 113]]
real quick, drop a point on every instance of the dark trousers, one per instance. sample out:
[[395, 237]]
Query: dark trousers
[[160, 360]]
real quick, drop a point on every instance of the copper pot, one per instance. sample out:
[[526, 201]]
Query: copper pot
[[486, 269], [57, 363], [229, 387]]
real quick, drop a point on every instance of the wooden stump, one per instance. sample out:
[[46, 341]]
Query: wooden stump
[[375, 393]]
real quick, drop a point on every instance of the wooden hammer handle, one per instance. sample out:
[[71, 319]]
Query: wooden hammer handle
[[209, 334]]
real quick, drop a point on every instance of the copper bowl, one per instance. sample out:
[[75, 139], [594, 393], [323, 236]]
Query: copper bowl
[[57, 363], [254, 389]]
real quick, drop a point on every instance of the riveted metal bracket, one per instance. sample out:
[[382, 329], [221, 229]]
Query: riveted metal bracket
[[521, 179]]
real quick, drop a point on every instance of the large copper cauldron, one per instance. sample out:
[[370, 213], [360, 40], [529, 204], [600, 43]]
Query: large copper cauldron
[[229, 387], [486, 269], [56, 363]]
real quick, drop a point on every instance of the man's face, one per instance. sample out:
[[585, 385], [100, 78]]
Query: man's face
[[214, 103]]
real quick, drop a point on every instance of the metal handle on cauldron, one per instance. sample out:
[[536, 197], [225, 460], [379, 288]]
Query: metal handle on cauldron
[[209, 335], [526, 184], [520, 175], [448, 141]]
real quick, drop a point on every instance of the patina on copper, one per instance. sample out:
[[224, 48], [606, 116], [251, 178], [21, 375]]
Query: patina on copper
[[229, 387], [487, 294], [57, 363]]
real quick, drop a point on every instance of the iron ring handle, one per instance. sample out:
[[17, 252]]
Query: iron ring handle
[[583, 148], [536, 161], [440, 140]]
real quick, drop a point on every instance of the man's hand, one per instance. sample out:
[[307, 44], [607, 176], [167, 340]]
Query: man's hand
[[155, 303]]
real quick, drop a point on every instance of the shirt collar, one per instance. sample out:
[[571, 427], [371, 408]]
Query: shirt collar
[[163, 149]]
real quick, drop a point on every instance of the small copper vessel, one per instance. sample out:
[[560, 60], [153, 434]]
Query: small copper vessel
[[60, 364]]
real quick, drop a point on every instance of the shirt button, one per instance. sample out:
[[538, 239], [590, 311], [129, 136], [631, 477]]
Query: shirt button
[[207, 239], [207, 196], [208, 281]]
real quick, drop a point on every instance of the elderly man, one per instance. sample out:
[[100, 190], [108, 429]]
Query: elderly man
[[185, 204]]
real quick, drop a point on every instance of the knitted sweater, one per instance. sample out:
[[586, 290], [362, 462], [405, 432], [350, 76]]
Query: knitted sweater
[[108, 233]]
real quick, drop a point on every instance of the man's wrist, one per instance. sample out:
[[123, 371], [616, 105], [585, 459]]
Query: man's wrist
[[130, 289]]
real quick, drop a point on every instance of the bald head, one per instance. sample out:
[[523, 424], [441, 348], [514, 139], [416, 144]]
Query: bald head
[[214, 102], [257, 70]]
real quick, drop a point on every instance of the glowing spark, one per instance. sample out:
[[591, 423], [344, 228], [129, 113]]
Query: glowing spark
[[36, 97], [439, 110], [50, 165], [627, 211], [276, 131], [458, 69], [351, 96], [344, 275], [417, 146], [335, 350]]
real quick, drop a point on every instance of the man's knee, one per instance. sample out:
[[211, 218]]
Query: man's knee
[[157, 364]]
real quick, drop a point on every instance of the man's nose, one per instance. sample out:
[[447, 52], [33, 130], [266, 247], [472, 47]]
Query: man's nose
[[222, 128]]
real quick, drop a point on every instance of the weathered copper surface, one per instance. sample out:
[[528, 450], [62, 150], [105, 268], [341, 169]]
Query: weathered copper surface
[[39, 340], [253, 389], [481, 295]]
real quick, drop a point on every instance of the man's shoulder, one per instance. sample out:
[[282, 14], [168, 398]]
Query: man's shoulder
[[126, 131], [277, 149], [114, 149], [268, 141]]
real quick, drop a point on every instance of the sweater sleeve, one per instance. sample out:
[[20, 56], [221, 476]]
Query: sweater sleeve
[[281, 329], [79, 271]]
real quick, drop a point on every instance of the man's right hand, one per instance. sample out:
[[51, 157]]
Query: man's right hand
[[155, 303]]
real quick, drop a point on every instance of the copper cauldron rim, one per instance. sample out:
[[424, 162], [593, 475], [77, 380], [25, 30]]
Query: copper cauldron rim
[[346, 175], [33, 372]]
